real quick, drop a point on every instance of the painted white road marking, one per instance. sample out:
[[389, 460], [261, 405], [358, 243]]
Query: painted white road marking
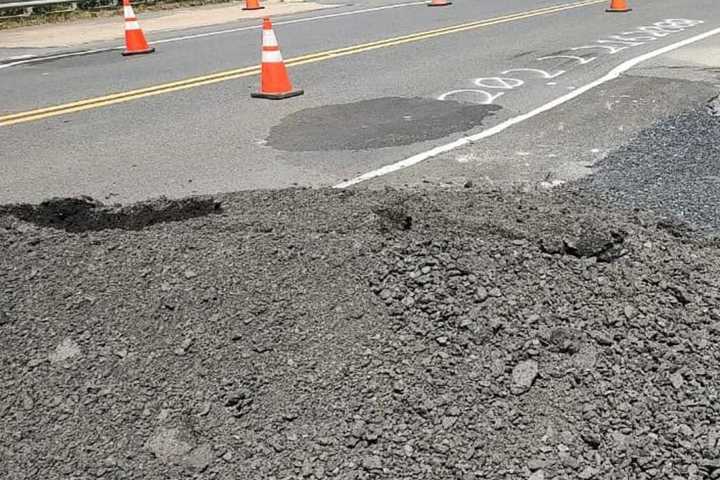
[[634, 37], [611, 50], [642, 39], [581, 60], [622, 42], [207, 34], [542, 73], [655, 31], [489, 98], [612, 75], [20, 57], [502, 83], [507, 83], [61, 55], [288, 22]]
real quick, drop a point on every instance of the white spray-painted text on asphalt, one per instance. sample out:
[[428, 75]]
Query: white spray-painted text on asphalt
[[492, 88]]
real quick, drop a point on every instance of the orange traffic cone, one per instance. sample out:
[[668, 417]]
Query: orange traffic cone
[[135, 42], [252, 5], [439, 3], [274, 77], [618, 6]]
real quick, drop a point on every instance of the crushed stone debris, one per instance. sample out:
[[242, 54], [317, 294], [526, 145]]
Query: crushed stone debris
[[65, 350], [356, 335], [670, 168]]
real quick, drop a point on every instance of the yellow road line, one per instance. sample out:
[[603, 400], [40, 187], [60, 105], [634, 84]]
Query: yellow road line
[[224, 76]]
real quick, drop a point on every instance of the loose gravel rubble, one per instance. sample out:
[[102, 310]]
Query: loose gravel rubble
[[670, 168], [359, 335]]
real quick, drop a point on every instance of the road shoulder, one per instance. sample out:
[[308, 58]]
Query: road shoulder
[[87, 31]]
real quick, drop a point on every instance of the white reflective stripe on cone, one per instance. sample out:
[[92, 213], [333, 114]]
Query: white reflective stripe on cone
[[272, 56], [128, 11], [269, 39], [132, 25]]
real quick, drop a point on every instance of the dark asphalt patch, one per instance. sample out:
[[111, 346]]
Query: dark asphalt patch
[[376, 123]]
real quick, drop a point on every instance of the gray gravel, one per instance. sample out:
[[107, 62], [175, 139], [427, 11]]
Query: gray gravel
[[671, 168], [355, 335]]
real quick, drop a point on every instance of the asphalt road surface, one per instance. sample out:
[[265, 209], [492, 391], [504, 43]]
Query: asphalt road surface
[[469, 332], [381, 87]]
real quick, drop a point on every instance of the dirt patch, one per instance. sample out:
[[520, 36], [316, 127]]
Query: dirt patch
[[81, 214]]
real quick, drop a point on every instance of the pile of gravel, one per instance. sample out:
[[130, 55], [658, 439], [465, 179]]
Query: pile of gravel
[[360, 335]]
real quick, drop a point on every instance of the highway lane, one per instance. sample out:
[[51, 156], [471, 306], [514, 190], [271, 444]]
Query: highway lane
[[78, 43], [69, 79], [214, 138]]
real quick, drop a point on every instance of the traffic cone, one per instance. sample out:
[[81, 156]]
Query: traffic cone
[[252, 5], [618, 6], [135, 42], [439, 3], [275, 83]]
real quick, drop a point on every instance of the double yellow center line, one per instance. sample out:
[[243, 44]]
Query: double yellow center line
[[193, 82]]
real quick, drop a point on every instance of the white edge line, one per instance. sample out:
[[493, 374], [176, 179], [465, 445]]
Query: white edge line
[[60, 55], [288, 22], [211, 34], [612, 75]]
